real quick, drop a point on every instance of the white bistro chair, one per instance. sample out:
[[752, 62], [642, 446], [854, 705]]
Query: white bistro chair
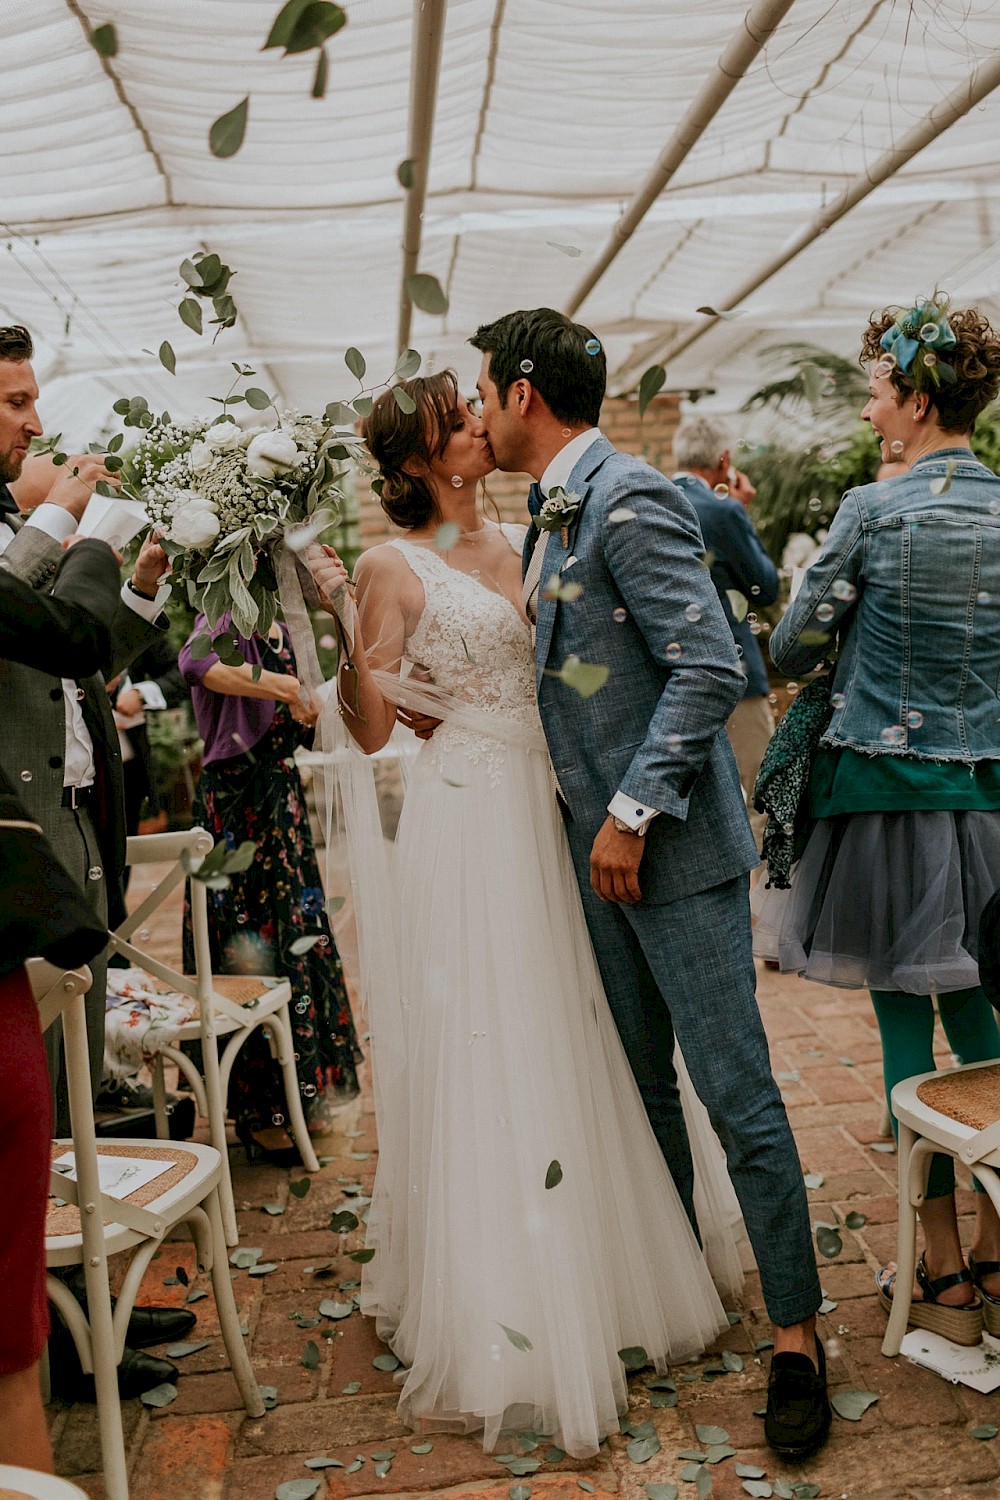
[[229, 1006], [957, 1112], [27, 1484], [85, 1226]]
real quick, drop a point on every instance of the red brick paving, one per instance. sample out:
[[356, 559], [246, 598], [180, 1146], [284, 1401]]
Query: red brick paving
[[913, 1444]]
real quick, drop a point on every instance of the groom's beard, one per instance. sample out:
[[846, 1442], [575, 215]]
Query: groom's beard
[[10, 467]]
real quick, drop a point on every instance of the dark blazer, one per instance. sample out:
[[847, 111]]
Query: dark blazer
[[68, 632], [33, 745], [737, 561]]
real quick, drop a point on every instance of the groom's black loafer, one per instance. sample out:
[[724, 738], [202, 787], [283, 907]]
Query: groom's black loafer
[[798, 1408]]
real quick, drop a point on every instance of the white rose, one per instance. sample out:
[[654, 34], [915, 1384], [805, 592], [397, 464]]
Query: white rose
[[200, 456], [223, 436], [194, 524], [271, 453]]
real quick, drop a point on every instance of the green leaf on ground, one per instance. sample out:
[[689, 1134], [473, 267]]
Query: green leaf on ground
[[828, 1241], [733, 1362], [421, 1448], [519, 1466], [245, 1257], [758, 1487], [343, 1222], [386, 1362], [708, 1434], [660, 1491], [300, 1188], [330, 1309], [362, 1257], [814, 1180], [297, 1489], [351, 1389], [749, 1471], [641, 1450], [519, 1491], [180, 1351], [196, 1296], [310, 1356], [585, 1484], [274, 1209], [852, 1405], [718, 1451], [322, 1463], [160, 1395], [986, 1432], [855, 1220], [634, 1357]]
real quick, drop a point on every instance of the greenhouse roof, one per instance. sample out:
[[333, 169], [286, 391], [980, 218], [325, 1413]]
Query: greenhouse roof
[[799, 162]]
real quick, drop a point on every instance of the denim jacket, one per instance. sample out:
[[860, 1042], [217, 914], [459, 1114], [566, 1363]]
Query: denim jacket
[[910, 580]]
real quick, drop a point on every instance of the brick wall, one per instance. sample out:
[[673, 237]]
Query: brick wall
[[650, 439]]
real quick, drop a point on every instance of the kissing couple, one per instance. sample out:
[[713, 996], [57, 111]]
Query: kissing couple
[[557, 959]]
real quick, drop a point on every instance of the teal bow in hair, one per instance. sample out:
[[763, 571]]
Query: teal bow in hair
[[915, 342]]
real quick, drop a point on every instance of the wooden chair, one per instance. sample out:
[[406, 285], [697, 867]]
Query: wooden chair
[[957, 1112], [85, 1226], [229, 1006]]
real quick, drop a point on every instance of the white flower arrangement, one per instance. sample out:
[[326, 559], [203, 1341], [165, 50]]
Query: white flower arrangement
[[222, 497]]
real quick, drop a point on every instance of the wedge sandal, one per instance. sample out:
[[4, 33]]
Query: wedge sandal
[[991, 1304], [962, 1325]]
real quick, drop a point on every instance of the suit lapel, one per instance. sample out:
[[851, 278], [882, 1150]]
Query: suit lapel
[[556, 555]]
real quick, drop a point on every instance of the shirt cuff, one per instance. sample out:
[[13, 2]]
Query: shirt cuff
[[148, 609], [54, 520], [636, 816], [151, 693]]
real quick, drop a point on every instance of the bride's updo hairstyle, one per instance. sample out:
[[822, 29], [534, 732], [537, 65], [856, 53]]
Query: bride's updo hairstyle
[[394, 436], [952, 356]]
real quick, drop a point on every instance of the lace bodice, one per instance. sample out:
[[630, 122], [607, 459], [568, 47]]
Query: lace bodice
[[474, 643]]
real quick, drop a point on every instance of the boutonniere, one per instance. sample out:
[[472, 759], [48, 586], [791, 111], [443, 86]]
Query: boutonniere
[[558, 511]]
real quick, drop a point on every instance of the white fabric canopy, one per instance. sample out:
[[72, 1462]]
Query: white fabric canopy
[[550, 115]]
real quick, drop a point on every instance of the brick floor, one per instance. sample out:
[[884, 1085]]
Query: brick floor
[[913, 1444]]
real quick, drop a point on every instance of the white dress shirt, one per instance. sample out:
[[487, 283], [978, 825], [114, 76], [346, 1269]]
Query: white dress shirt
[[78, 760]]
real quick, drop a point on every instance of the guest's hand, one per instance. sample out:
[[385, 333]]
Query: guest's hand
[[740, 487], [329, 574], [129, 703], [77, 480], [305, 711], [150, 566], [614, 864]]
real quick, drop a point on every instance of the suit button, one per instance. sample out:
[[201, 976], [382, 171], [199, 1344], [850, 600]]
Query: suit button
[[81, 693], [26, 776], [55, 694], [55, 761]]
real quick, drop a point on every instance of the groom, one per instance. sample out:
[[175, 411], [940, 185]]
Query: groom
[[652, 800]]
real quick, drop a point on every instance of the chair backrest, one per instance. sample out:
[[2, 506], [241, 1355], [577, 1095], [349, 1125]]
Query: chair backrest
[[54, 988]]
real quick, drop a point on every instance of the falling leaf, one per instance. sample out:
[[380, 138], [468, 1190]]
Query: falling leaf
[[855, 1220], [707, 1434], [304, 944], [565, 593], [181, 1351], [297, 1489], [104, 40], [852, 1405], [621, 513], [168, 359], [226, 134], [584, 677], [942, 484], [519, 1340], [310, 1356], [828, 1241], [634, 1357], [446, 536], [813, 381], [405, 173], [554, 1175], [571, 250], [651, 383], [739, 605], [425, 292], [386, 1362], [160, 1395], [300, 1188], [814, 1179]]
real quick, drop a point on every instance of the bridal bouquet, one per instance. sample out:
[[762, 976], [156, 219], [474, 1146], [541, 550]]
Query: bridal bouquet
[[223, 497]]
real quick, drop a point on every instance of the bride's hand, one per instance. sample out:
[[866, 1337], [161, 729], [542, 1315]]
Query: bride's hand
[[329, 574], [305, 711]]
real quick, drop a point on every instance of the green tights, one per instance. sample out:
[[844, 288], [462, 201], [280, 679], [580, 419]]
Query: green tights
[[906, 1023]]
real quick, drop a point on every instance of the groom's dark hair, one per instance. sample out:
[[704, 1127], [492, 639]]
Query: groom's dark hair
[[563, 361]]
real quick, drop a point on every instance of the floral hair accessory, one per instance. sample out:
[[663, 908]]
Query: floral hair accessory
[[915, 341]]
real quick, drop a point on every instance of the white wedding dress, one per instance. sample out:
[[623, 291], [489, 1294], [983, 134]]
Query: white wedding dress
[[495, 1058]]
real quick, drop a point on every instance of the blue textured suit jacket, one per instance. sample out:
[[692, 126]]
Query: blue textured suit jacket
[[656, 730]]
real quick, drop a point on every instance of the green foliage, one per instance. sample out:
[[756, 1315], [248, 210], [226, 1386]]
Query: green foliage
[[788, 479], [828, 384], [225, 137]]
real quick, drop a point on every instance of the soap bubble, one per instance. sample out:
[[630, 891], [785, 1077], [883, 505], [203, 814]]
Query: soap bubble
[[527, 366], [593, 346], [824, 612], [930, 359], [893, 734], [896, 446], [673, 652], [914, 719], [693, 613], [815, 503], [838, 700], [755, 589], [930, 333], [456, 480], [619, 615], [982, 597], [722, 489], [792, 688], [841, 589]]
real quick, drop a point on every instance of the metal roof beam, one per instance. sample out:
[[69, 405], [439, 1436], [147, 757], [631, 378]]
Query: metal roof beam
[[428, 38]]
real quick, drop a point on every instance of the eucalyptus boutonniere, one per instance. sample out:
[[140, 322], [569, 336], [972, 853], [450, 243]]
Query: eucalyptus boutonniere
[[558, 511]]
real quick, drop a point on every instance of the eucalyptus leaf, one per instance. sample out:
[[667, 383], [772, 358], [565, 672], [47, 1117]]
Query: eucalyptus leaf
[[104, 40], [263, 1268], [519, 1491], [425, 292], [827, 1306], [520, 1467], [634, 1357], [352, 1389], [584, 677], [256, 398], [421, 1448], [828, 1242], [407, 364], [519, 1340], [703, 1484], [404, 173], [321, 75], [693, 1455], [855, 1220], [226, 134], [660, 1491], [553, 1455], [322, 1463], [650, 385], [363, 406], [303, 24], [180, 1351], [758, 1487], [985, 1432], [805, 1491], [852, 1405], [641, 1450], [404, 400], [355, 362], [585, 1485], [782, 1489], [275, 1210], [297, 1489], [814, 1180], [300, 1188], [660, 1400], [382, 1468], [362, 1257], [707, 1434], [718, 1451], [196, 1296], [739, 604], [245, 1256], [885, 1148], [554, 1175], [160, 1395], [748, 1471], [446, 536], [690, 1472], [310, 1355], [335, 1310], [168, 359], [386, 1362], [573, 251], [732, 1362]]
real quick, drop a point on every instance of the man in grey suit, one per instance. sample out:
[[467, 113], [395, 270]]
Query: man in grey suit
[[652, 801]]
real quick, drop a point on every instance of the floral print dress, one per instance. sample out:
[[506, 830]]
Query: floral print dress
[[254, 925]]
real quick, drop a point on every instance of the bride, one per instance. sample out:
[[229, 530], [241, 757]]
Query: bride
[[524, 1223]]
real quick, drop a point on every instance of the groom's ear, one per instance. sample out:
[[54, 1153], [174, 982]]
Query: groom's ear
[[521, 396]]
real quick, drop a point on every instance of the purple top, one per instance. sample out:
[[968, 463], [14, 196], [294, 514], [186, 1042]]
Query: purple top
[[229, 724]]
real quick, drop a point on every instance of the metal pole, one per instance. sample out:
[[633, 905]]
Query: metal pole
[[755, 30], [958, 103], [428, 36]]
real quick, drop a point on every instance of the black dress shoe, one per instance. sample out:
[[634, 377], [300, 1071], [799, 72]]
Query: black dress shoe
[[136, 1373], [798, 1408], [147, 1325]]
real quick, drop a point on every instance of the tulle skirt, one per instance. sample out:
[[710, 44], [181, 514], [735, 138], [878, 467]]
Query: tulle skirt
[[885, 901], [525, 1225]]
